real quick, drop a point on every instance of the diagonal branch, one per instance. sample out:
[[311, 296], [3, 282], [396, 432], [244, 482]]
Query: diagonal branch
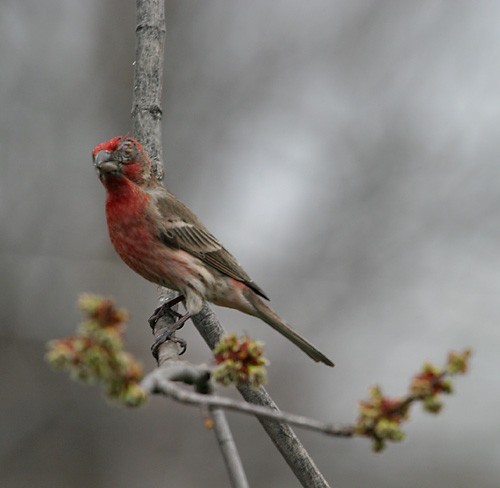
[[282, 435]]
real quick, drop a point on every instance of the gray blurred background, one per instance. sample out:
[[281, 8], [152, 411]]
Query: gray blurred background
[[345, 151]]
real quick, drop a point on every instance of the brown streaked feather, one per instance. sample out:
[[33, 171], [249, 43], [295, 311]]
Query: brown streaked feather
[[183, 230]]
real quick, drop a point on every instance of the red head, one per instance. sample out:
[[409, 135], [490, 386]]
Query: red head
[[122, 157]]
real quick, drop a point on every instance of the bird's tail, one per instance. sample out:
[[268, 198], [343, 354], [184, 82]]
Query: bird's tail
[[268, 315]]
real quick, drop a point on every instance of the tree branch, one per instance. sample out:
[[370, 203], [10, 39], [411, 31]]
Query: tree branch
[[146, 119], [162, 381], [230, 452], [282, 435], [148, 79], [146, 116]]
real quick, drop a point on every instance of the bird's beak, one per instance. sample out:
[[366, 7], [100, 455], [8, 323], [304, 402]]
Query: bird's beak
[[104, 164]]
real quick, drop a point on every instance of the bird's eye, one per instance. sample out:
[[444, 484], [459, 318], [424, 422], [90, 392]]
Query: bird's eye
[[127, 150]]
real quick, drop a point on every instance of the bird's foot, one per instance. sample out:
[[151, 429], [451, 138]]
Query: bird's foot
[[164, 309], [168, 334]]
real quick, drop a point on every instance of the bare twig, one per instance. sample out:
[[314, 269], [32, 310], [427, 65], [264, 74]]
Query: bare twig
[[226, 442], [162, 381]]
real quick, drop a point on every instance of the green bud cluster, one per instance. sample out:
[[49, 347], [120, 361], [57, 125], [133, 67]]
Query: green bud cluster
[[96, 355], [240, 361]]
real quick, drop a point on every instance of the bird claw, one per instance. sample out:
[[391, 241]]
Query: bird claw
[[167, 335], [165, 308]]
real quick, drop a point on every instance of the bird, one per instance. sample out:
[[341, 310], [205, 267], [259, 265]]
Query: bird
[[162, 240]]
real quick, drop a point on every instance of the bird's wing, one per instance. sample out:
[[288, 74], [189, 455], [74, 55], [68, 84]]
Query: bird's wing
[[181, 229]]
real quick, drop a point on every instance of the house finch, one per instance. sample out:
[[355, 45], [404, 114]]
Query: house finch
[[162, 240]]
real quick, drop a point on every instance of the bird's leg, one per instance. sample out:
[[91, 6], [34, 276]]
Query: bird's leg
[[167, 334], [164, 309]]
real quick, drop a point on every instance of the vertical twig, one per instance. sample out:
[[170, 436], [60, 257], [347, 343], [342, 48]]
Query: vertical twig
[[146, 119], [148, 79], [147, 91], [228, 447]]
